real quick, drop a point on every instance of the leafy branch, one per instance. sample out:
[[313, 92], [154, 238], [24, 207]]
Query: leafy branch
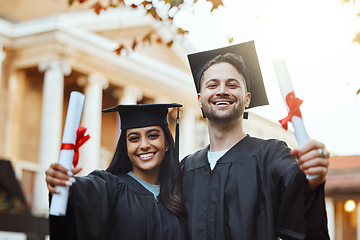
[[160, 10], [356, 39]]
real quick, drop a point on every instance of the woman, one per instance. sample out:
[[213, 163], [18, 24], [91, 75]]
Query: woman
[[139, 196]]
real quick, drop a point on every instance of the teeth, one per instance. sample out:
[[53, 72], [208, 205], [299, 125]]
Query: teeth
[[146, 155], [222, 103]]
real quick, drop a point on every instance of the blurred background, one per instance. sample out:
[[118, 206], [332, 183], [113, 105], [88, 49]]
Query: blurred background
[[135, 52]]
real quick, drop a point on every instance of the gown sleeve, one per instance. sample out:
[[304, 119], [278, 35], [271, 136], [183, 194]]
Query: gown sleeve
[[298, 216], [89, 209]]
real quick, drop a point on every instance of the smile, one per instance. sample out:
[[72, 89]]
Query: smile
[[146, 155], [222, 103]]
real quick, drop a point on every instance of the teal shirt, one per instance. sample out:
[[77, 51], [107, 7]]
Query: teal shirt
[[154, 189]]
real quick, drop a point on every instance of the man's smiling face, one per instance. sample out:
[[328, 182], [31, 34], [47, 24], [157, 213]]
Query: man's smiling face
[[223, 95]]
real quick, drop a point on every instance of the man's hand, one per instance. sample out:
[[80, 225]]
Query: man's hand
[[313, 159]]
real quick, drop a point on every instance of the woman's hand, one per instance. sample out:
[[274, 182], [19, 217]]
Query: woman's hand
[[57, 175]]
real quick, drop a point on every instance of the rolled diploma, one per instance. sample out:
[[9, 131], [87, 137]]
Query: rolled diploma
[[76, 103], [285, 85]]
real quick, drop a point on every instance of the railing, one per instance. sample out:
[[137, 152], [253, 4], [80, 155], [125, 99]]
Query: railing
[[35, 228]]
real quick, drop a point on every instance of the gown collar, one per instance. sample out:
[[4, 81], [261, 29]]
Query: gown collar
[[134, 184], [201, 159]]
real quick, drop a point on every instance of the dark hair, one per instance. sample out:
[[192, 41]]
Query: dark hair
[[233, 59], [171, 194]]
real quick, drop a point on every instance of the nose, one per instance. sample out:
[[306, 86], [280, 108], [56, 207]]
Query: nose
[[222, 90], [144, 143]]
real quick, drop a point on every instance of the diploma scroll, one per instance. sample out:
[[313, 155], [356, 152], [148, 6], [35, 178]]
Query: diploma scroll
[[292, 105], [76, 103]]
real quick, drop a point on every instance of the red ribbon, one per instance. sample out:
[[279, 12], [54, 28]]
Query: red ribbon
[[293, 104], [80, 140]]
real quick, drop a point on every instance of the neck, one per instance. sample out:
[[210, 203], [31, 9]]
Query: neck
[[225, 135], [152, 177]]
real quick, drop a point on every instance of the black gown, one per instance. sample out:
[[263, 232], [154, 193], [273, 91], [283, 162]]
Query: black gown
[[106, 206], [255, 191]]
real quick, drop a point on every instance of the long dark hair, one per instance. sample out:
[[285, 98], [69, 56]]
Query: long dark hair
[[171, 194]]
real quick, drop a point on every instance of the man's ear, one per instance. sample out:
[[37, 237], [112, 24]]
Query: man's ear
[[199, 100], [247, 99]]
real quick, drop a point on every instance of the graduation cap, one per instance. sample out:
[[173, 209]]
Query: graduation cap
[[252, 73], [142, 115], [145, 115]]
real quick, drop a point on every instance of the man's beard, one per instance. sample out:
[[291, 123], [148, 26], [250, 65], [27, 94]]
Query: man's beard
[[223, 115]]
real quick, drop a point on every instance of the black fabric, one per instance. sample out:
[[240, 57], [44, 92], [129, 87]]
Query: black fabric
[[106, 206], [255, 191], [143, 115], [9, 183], [252, 73]]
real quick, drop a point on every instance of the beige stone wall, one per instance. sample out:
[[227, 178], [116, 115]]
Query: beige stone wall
[[20, 109], [154, 50], [30, 118], [24, 10], [109, 126], [258, 126]]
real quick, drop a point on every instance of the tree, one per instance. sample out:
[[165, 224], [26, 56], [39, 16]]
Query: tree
[[160, 10], [356, 39]]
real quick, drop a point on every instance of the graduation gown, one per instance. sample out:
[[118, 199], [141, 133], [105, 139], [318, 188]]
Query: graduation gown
[[106, 206], [255, 191]]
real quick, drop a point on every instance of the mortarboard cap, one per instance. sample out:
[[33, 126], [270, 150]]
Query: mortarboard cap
[[254, 81], [142, 115]]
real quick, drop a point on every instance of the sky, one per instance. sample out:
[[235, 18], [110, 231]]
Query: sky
[[314, 37]]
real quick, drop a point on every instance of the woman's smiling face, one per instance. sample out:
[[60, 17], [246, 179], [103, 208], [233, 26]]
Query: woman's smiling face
[[146, 149]]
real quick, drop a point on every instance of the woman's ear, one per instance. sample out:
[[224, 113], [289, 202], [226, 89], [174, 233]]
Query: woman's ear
[[166, 147]]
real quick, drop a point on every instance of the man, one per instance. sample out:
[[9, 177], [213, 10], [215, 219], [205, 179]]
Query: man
[[241, 187]]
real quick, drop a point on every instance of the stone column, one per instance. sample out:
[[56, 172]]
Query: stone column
[[330, 209], [51, 125], [2, 57], [91, 119], [130, 95], [187, 131], [11, 108]]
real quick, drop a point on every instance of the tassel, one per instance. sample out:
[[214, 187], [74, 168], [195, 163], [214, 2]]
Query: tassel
[[176, 153]]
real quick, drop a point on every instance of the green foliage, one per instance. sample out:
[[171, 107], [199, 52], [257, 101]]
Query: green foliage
[[12, 205]]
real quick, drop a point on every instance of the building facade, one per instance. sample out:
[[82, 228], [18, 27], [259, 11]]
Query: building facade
[[46, 54], [342, 191]]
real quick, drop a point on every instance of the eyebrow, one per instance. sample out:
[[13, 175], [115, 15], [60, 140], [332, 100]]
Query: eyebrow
[[149, 131], [234, 80], [227, 80]]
